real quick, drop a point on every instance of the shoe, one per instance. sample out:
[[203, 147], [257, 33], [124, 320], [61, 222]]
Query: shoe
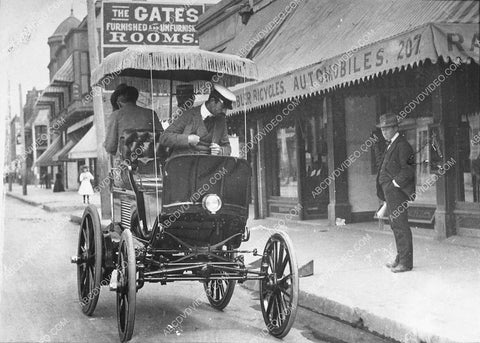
[[392, 264], [400, 268]]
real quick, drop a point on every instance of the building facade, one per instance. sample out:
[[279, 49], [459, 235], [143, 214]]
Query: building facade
[[68, 119], [327, 73]]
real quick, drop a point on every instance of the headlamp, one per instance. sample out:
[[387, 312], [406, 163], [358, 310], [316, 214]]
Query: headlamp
[[212, 203]]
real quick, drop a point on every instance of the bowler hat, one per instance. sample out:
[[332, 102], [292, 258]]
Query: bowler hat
[[387, 120], [224, 95]]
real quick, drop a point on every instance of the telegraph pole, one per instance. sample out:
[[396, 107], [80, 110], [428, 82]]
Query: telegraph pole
[[23, 159], [10, 155], [98, 116]]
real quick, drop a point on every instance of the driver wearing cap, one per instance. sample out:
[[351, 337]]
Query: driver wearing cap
[[203, 129]]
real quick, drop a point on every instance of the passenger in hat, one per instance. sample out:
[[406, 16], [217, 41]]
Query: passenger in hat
[[185, 95], [128, 117], [203, 129], [396, 186]]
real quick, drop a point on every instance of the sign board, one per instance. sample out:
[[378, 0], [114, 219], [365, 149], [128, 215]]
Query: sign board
[[141, 23]]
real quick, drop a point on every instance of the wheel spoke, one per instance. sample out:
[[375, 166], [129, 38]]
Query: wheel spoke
[[270, 301], [274, 260], [221, 289], [85, 238], [279, 260], [282, 266]]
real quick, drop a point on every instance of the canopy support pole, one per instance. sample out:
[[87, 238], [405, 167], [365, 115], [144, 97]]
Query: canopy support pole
[[170, 109], [103, 164]]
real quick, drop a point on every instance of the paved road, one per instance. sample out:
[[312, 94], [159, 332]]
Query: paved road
[[38, 299]]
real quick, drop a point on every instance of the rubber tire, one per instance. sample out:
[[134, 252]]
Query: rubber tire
[[282, 240], [126, 322], [91, 224]]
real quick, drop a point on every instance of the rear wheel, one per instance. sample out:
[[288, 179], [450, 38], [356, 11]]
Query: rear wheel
[[89, 260], [279, 288], [126, 286], [219, 292]]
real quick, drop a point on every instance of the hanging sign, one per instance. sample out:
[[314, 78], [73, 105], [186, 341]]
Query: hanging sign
[[140, 23]]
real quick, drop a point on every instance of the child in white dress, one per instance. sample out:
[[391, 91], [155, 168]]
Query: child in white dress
[[85, 186]]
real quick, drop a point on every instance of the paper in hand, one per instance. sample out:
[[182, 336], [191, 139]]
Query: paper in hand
[[382, 211]]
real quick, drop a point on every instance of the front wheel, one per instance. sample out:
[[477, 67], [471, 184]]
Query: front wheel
[[126, 286], [279, 289]]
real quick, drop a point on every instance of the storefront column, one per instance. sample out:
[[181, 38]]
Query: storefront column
[[300, 168], [338, 206], [262, 186], [444, 107], [253, 152]]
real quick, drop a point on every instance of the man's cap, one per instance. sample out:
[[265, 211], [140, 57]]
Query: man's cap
[[387, 120], [223, 94], [184, 89]]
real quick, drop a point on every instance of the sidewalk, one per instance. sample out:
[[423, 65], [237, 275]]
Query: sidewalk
[[439, 301], [68, 201]]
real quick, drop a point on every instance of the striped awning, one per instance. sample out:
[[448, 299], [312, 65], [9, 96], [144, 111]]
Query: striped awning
[[65, 73], [45, 159], [86, 147], [327, 44], [62, 154]]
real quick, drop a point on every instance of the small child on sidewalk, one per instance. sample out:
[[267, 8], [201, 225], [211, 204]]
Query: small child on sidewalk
[[85, 186]]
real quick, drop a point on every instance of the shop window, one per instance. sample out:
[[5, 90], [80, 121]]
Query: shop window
[[315, 157], [422, 138], [469, 157], [287, 162]]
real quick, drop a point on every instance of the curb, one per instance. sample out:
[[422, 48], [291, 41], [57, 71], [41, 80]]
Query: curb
[[47, 208], [75, 219], [358, 318], [62, 208], [21, 198]]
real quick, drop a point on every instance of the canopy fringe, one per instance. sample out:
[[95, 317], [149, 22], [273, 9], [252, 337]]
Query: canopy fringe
[[175, 59]]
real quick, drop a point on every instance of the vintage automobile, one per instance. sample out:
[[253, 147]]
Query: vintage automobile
[[180, 219]]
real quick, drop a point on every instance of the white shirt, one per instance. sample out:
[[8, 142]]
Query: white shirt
[[388, 147], [205, 112], [392, 140]]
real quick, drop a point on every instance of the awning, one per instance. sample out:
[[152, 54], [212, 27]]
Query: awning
[[62, 154], [45, 159], [86, 147], [42, 117], [328, 44], [65, 73]]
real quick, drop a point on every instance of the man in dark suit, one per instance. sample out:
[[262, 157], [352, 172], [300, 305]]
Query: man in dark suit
[[201, 130], [129, 116], [396, 186]]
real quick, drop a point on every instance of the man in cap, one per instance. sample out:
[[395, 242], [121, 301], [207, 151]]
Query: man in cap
[[202, 130], [396, 186]]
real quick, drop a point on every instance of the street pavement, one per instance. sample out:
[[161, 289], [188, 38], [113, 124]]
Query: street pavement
[[438, 301], [39, 303]]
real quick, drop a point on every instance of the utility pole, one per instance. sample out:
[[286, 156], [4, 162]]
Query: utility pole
[[23, 159], [98, 116], [10, 155]]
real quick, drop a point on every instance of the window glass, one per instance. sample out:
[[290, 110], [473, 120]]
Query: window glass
[[287, 158], [470, 157]]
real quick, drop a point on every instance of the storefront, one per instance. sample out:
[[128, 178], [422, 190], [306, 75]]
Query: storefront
[[425, 68]]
